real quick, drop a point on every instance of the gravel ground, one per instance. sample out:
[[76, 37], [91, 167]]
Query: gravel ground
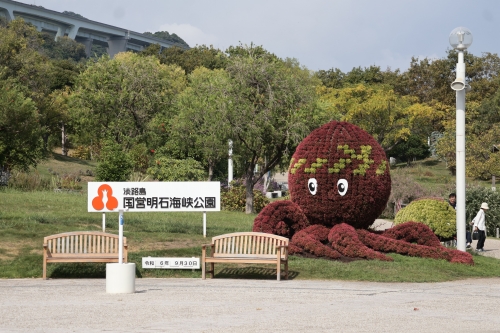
[[226, 305]]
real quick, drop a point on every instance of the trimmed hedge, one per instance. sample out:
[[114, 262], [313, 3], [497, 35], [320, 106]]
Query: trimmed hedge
[[437, 214]]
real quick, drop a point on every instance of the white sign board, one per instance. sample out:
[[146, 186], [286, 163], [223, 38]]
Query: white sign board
[[165, 263], [154, 196]]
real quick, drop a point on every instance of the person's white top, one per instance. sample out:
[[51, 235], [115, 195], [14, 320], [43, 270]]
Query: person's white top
[[480, 220]]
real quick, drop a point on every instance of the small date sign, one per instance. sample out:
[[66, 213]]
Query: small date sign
[[171, 263]]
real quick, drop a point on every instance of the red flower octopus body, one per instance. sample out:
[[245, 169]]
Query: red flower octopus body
[[339, 182]]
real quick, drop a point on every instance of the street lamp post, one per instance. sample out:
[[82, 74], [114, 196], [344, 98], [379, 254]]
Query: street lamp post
[[230, 163], [460, 39]]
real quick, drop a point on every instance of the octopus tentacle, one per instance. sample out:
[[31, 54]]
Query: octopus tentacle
[[344, 239], [385, 244], [311, 239], [413, 232], [281, 218]]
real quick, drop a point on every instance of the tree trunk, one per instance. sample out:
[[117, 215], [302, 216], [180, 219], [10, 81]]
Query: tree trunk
[[45, 139], [210, 171], [64, 139], [249, 192]]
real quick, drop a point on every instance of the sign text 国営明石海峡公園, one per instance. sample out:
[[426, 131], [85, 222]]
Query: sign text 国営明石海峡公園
[[154, 196]]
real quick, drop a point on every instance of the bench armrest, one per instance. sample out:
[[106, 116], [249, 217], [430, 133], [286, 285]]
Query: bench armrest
[[283, 249], [204, 249]]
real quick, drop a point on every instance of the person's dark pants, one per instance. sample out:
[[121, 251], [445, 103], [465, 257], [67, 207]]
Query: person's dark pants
[[468, 237], [482, 238]]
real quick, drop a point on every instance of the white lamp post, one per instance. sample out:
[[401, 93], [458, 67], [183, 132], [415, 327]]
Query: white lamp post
[[230, 163], [460, 39]]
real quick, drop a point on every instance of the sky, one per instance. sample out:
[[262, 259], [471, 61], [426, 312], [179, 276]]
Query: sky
[[320, 34]]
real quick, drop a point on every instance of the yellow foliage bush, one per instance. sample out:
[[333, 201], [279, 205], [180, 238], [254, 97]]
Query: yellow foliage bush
[[437, 214]]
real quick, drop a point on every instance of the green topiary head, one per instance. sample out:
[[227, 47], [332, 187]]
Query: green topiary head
[[437, 214]]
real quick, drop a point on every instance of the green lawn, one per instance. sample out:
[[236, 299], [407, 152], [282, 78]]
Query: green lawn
[[26, 217]]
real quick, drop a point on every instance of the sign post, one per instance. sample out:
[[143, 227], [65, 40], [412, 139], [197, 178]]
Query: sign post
[[147, 197], [120, 236], [204, 224]]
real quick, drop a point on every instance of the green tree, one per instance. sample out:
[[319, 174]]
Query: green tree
[[21, 146], [272, 101], [120, 97], [200, 124], [115, 165], [22, 57], [173, 170], [482, 154], [332, 78], [388, 117], [412, 148], [64, 48], [189, 60]]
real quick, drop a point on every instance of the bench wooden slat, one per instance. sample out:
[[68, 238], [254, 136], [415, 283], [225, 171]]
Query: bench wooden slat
[[82, 246], [247, 247]]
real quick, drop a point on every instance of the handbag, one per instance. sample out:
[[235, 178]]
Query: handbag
[[475, 235]]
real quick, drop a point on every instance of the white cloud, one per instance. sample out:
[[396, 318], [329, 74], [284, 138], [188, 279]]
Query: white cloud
[[191, 34]]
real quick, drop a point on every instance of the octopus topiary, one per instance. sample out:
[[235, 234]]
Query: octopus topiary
[[339, 182], [437, 214]]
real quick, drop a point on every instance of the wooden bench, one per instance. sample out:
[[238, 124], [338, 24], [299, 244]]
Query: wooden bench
[[81, 246], [248, 248]]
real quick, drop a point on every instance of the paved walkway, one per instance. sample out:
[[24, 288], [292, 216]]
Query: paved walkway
[[226, 305]]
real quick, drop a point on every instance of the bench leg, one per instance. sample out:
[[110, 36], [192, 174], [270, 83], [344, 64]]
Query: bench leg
[[44, 270], [203, 270], [278, 270]]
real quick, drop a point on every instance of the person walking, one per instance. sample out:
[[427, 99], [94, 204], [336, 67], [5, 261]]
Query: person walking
[[480, 226]]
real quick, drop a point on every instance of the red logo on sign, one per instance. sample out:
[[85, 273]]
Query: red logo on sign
[[104, 198]]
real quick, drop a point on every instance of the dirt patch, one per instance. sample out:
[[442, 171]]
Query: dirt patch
[[12, 249]]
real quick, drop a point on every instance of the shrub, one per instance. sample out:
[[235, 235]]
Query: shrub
[[67, 182], [115, 165], [437, 214], [140, 156], [171, 170], [28, 181], [235, 199], [474, 196], [81, 152]]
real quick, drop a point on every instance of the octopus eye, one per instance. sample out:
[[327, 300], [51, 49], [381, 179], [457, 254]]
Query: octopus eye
[[312, 184], [342, 186]]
